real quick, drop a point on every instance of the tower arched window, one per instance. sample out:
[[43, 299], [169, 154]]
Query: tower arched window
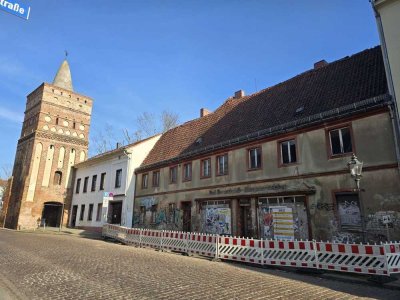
[[57, 178]]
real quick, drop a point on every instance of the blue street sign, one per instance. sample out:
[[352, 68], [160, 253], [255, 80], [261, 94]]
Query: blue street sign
[[16, 8]]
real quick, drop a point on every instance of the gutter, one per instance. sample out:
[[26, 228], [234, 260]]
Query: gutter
[[361, 106]]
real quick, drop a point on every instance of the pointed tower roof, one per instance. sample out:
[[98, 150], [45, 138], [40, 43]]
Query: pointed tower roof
[[63, 77]]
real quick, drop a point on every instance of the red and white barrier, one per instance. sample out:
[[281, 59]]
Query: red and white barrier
[[151, 238], [289, 253], [381, 259], [175, 241], [367, 259], [392, 251], [202, 244], [240, 249]]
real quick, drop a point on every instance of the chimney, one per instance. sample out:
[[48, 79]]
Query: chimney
[[239, 94], [204, 112], [320, 64], [118, 145]]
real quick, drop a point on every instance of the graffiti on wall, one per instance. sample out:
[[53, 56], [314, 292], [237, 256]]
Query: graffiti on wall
[[148, 202], [349, 213], [217, 220]]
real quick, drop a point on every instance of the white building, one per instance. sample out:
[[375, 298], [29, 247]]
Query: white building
[[111, 174]]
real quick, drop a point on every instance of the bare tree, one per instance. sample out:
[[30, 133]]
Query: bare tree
[[104, 140], [147, 124], [6, 171], [169, 120]]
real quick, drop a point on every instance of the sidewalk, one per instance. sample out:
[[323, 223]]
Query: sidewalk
[[68, 231]]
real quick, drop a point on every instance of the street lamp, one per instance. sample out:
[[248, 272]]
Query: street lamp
[[355, 168]]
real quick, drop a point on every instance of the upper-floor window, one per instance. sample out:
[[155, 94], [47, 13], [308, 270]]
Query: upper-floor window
[[85, 184], [94, 179], [187, 171], [156, 178], [340, 140], [288, 152], [102, 181], [57, 178], [118, 178], [254, 158], [78, 185], [145, 180], [222, 164], [205, 167], [173, 174]]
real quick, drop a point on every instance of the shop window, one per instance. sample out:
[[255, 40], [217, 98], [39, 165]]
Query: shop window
[[142, 214], [154, 213], [156, 178], [90, 212], [82, 212], [288, 152], [254, 158], [57, 178], [94, 179], [187, 171], [340, 141], [99, 211], [173, 174], [222, 164], [206, 168], [102, 181], [78, 185], [118, 178], [145, 179]]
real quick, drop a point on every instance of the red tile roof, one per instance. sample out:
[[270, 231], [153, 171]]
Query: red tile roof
[[340, 83]]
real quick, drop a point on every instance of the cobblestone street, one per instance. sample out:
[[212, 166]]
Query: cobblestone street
[[56, 266]]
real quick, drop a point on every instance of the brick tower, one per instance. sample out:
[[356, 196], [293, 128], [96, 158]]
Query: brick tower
[[54, 137]]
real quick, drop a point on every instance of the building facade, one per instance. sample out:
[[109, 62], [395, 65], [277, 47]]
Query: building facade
[[54, 137], [109, 175], [274, 164]]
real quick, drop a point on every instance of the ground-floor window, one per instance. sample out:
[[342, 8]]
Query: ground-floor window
[[99, 211], [283, 218], [216, 217]]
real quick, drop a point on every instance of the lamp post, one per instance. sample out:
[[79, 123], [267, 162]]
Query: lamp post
[[355, 168]]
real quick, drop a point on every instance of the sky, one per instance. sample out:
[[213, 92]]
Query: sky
[[142, 56]]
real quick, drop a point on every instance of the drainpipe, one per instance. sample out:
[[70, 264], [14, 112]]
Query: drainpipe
[[128, 169], [394, 113]]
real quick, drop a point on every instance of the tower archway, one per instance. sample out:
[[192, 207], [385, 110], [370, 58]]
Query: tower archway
[[52, 213]]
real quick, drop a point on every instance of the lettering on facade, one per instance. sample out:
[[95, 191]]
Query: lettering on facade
[[323, 206], [249, 189]]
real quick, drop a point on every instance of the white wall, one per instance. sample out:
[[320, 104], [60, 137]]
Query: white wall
[[109, 165]]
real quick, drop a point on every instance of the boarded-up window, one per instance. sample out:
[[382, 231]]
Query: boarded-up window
[[348, 210]]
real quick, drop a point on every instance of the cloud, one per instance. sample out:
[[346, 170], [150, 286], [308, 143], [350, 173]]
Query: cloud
[[12, 116]]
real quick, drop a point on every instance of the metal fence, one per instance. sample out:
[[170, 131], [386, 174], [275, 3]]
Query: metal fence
[[383, 259]]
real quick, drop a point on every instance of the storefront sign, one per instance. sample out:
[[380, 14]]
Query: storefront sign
[[16, 8], [249, 189]]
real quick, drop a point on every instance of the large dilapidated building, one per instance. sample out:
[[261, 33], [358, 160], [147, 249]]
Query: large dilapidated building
[[274, 164]]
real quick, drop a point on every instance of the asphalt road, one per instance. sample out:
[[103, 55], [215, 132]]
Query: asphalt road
[[60, 266]]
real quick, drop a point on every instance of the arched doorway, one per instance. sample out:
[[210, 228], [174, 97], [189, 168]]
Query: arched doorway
[[52, 212]]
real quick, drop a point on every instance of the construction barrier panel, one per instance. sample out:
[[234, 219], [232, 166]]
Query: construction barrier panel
[[202, 244], [381, 259], [392, 251], [240, 249], [151, 238], [289, 253], [175, 241], [367, 259]]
